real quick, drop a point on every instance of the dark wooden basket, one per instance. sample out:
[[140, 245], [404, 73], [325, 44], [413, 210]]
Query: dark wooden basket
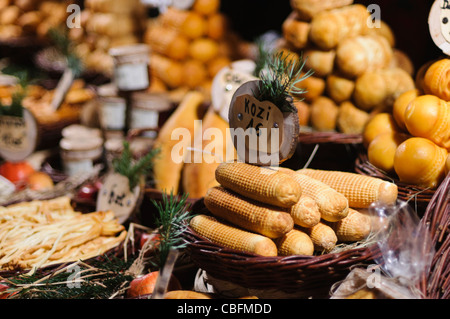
[[302, 276], [436, 284], [418, 196], [329, 137]]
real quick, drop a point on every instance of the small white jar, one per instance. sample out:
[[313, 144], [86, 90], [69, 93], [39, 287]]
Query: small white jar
[[131, 64]]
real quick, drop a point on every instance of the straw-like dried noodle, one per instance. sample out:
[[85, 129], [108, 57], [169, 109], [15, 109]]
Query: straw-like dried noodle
[[42, 233]]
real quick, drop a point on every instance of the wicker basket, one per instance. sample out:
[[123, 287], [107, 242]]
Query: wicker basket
[[329, 137], [418, 196], [436, 285], [297, 275]]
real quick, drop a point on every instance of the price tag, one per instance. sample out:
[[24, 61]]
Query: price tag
[[261, 133], [439, 24], [227, 81], [18, 136], [62, 88], [116, 196]]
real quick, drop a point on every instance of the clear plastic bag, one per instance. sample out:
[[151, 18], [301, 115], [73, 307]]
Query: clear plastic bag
[[403, 252]]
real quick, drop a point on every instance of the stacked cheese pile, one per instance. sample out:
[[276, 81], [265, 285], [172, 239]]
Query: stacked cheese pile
[[106, 24], [20, 18], [413, 141], [189, 46], [273, 212], [357, 69]]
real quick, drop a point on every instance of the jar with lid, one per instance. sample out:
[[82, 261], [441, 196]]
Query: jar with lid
[[131, 66]]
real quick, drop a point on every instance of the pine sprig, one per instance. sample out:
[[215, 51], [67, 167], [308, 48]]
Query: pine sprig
[[64, 45], [98, 280], [280, 80], [171, 222], [133, 170], [16, 106]]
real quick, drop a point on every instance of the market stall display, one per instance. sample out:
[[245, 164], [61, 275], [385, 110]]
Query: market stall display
[[160, 156]]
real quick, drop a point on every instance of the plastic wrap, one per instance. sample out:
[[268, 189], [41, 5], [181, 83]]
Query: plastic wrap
[[403, 252]]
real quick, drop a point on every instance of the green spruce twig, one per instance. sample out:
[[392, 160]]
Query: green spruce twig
[[171, 222], [16, 106], [64, 45], [280, 79], [133, 170], [100, 279]]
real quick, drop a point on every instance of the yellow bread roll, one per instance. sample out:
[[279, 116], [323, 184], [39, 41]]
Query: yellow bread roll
[[203, 49], [400, 105], [217, 26], [332, 205], [305, 212], [323, 237], [378, 89], [419, 161], [259, 183], [381, 150], [363, 53], [429, 116], [167, 41], [355, 227], [295, 31], [360, 190], [232, 237], [437, 79], [195, 73], [401, 60], [307, 9], [190, 23], [377, 124], [314, 87], [323, 114], [303, 111], [206, 7], [350, 119], [322, 62], [166, 168], [339, 88], [330, 27], [199, 175], [169, 71], [383, 29], [295, 242], [248, 214]]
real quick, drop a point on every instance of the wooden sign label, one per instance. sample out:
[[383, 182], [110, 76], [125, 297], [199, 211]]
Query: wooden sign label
[[259, 120], [439, 25], [116, 196], [261, 133], [18, 136]]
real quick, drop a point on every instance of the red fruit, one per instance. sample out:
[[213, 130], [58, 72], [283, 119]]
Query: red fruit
[[4, 295], [145, 285], [16, 172], [87, 191]]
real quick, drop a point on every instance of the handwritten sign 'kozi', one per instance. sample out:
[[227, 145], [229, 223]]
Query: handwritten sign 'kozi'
[[262, 134], [115, 195], [18, 136]]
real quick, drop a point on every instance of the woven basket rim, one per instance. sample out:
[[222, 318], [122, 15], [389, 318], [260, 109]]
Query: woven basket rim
[[435, 284], [315, 137], [406, 191]]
